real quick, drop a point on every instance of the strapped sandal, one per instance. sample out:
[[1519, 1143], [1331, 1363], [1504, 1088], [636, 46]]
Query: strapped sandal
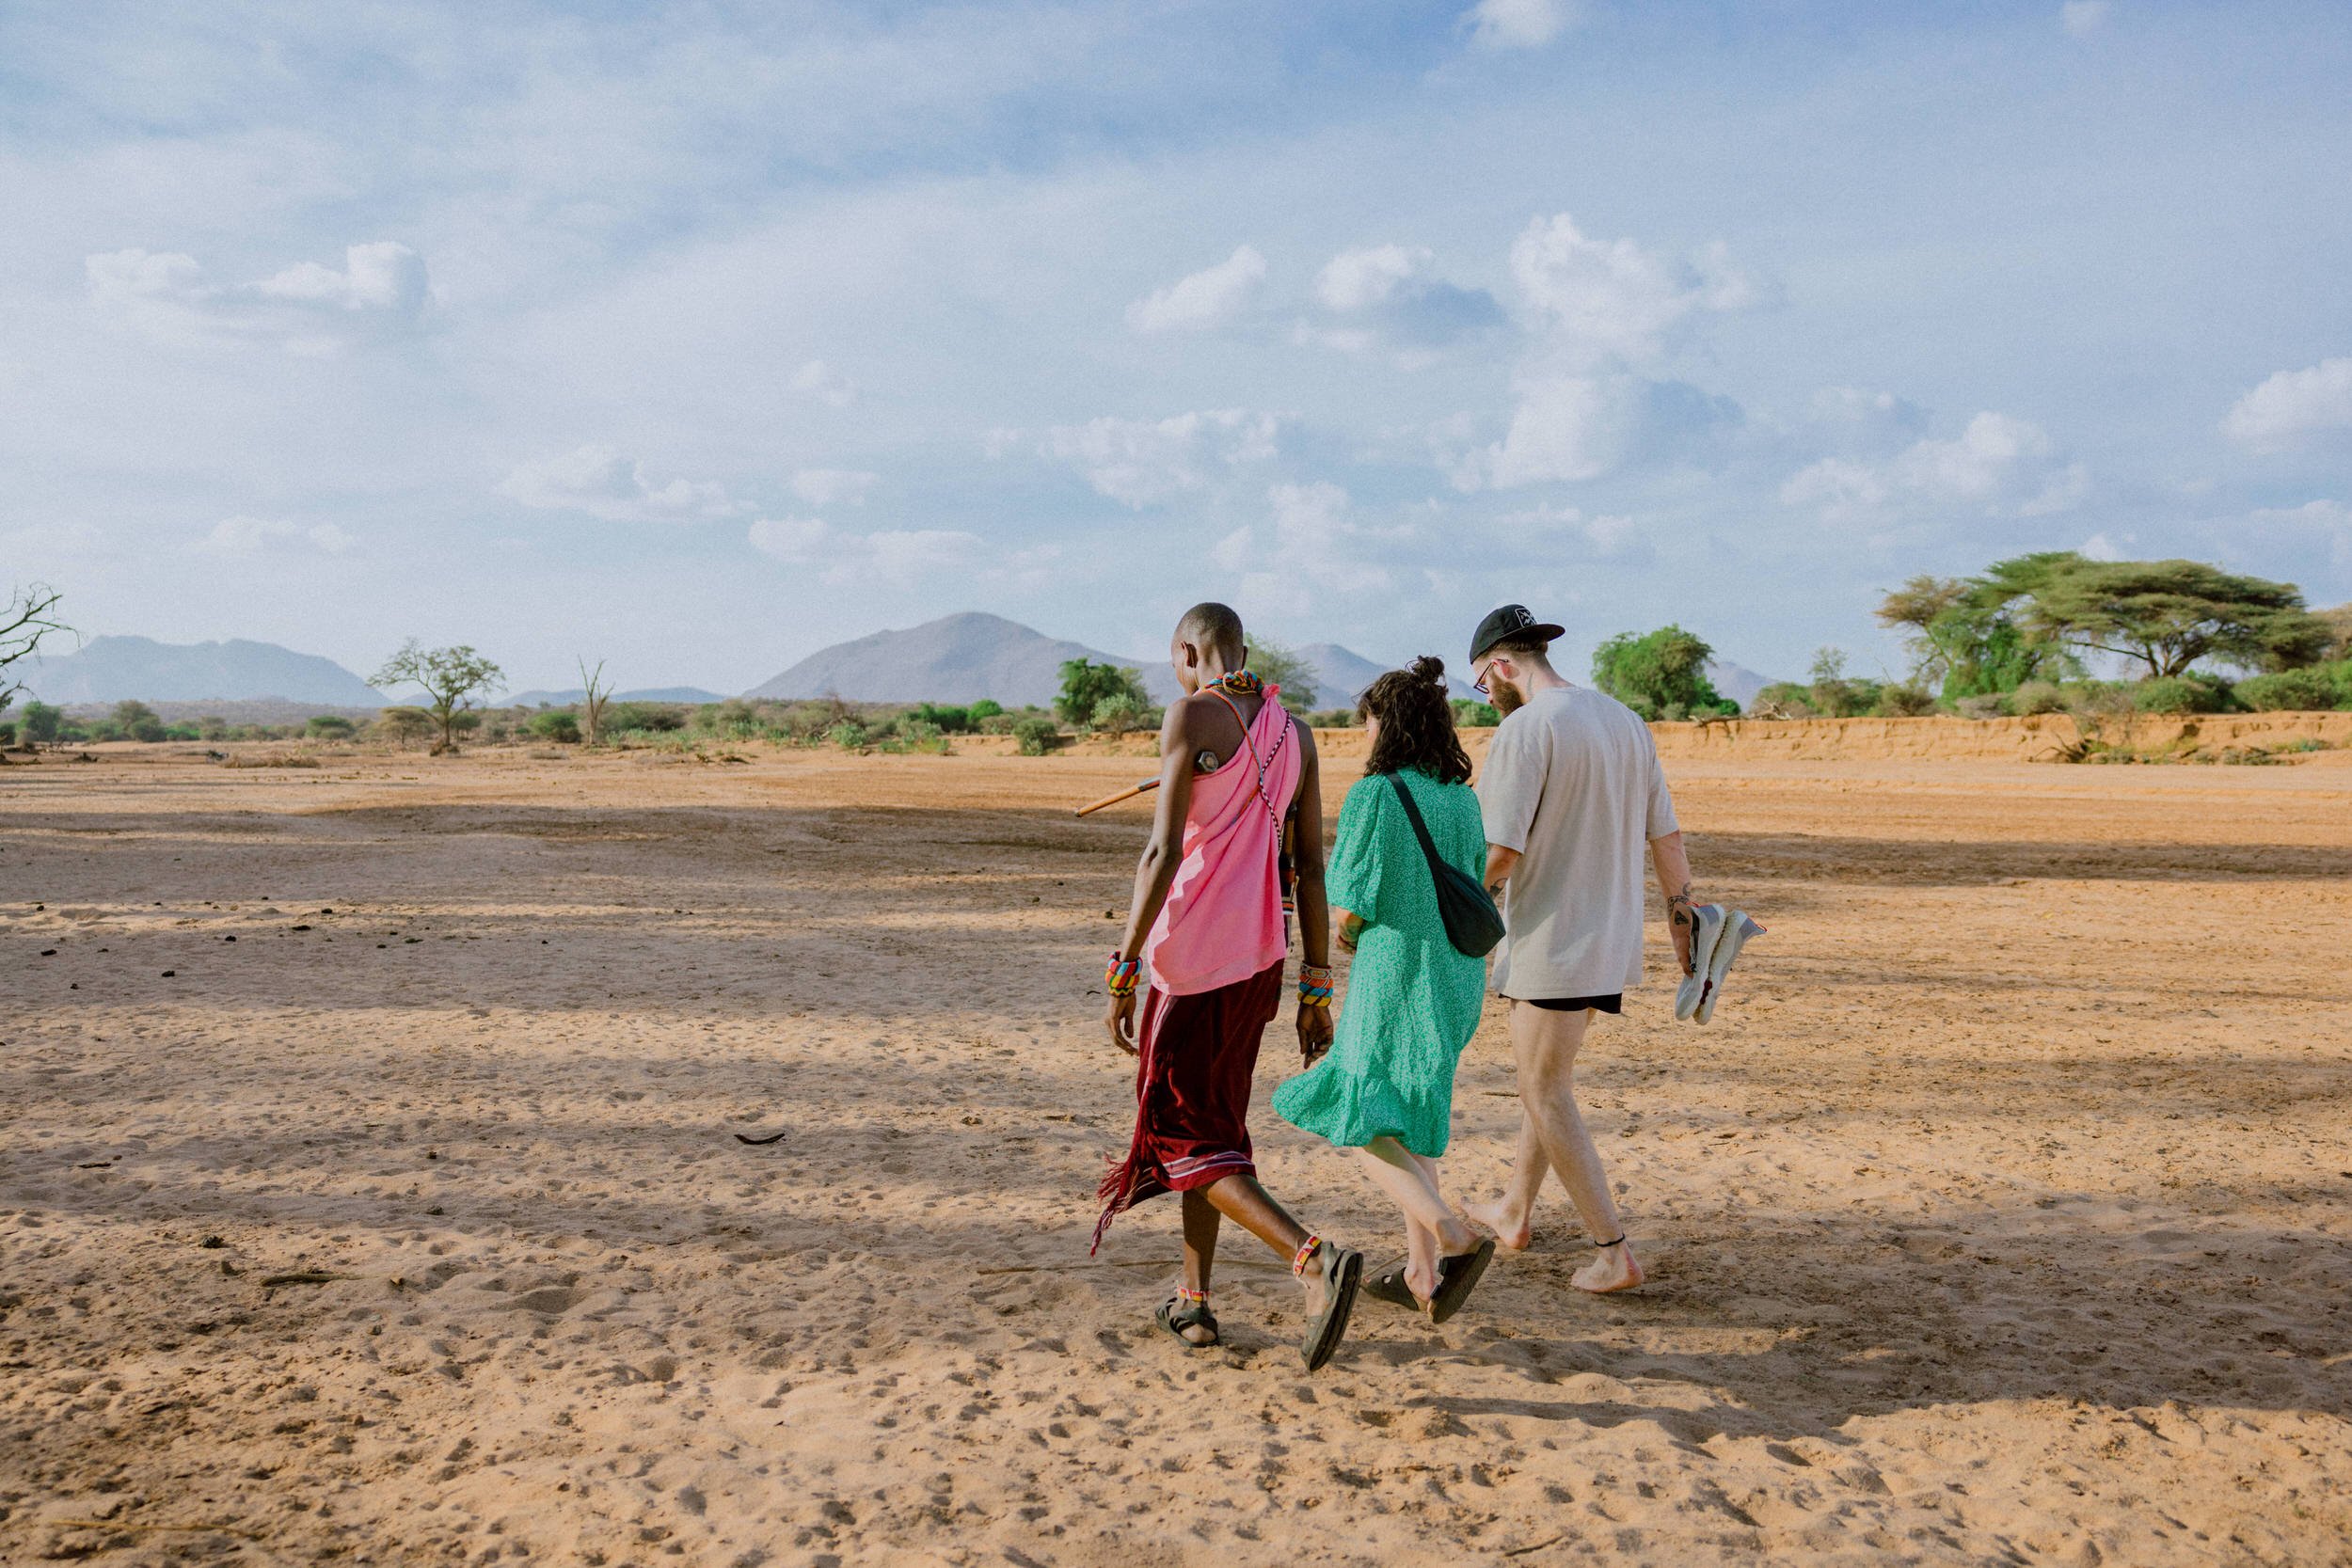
[[1386, 1283], [1188, 1309], [1457, 1276], [1342, 1272]]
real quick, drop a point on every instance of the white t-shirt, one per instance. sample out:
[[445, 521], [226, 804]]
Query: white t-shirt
[[1572, 783]]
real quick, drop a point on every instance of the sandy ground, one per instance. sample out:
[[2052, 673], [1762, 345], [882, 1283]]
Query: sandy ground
[[368, 1189]]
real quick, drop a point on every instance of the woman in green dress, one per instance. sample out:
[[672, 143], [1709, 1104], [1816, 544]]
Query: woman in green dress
[[1386, 1087]]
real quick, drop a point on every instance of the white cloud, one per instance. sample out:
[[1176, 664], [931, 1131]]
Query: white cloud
[[2294, 407], [1519, 23], [2317, 527], [1567, 427], [1611, 297], [1143, 462], [1543, 528], [831, 486], [2082, 18], [1389, 297], [2006, 465], [2102, 546], [1310, 547], [309, 309], [1209, 297], [242, 535], [609, 485], [842, 556], [822, 383]]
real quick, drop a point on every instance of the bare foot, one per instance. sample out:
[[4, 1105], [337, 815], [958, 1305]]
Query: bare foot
[[1512, 1232], [1615, 1269]]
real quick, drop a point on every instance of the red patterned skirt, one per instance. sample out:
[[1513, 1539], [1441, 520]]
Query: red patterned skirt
[[1195, 1057]]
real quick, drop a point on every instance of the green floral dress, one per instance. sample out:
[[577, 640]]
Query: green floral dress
[[1412, 1001]]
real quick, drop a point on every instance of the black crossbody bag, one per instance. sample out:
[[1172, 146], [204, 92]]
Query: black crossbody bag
[[1473, 924]]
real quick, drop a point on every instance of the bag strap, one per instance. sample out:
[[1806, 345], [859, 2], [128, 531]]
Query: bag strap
[[1421, 829]]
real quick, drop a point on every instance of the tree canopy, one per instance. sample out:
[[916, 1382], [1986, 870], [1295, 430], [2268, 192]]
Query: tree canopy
[[2169, 614], [451, 679], [1967, 635], [1660, 675], [1085, 685]]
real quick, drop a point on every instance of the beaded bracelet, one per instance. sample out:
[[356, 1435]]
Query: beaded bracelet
[[1119, 976], [1315, 985]]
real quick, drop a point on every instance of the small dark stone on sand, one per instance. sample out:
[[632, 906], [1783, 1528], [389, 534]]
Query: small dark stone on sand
[[212, 1241], [48, 951], [302, 928], [229, 939], [169, 972], [437, 1209]]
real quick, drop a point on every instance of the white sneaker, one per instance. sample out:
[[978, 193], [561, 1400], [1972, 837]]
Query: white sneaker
[[1736, 934], [1707, 929]]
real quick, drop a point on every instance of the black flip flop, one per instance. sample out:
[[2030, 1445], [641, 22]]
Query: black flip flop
[[1343, 1273], [1457, 1276], [1195, 1314]]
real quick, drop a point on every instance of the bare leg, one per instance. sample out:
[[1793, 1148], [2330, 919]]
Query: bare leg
[[1545, 1044], [1240, 1199], [1396, 1172], [1200, 1224], [1511, 1214]]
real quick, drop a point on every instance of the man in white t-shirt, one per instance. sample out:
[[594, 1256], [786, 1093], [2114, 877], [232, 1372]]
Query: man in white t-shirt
[[1572, 793]]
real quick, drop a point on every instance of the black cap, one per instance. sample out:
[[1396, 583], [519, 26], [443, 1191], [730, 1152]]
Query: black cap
[[1512, 623]]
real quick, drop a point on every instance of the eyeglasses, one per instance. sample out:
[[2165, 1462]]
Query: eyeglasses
[[1478, 678]]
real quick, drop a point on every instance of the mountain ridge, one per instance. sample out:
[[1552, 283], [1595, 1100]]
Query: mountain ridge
[[118, 668]]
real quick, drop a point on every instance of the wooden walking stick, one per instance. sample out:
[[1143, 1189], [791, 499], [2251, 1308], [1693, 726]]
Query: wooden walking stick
[[1127, 794]]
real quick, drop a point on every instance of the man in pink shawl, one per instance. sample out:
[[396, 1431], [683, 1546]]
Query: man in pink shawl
[[1208, 920]]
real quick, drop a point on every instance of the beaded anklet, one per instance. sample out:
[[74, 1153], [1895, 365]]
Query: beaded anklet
[[1306, 1250], [1186, 1293]]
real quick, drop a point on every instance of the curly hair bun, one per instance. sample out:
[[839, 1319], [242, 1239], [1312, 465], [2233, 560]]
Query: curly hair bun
[[1429, 667]]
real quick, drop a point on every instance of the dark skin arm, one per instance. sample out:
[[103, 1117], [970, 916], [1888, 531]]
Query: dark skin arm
[[1191, 727]]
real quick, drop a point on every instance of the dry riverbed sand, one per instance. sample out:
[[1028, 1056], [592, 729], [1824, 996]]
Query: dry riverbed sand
[[369, 1189]]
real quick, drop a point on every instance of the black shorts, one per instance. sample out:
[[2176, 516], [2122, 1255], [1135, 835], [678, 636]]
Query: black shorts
[[1613, 1003]]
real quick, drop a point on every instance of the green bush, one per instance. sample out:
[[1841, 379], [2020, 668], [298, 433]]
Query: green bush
[[624, 717], [183, 732], [559, 724], [40, 722], [1116, 715], [2313, 689], [987, 708], [1904, 702], [848, 734], [1332, 718], [1037, 734], [1471, 714], [329, 726], [2037, 696], [947, 721], [134, 721], [7, 734], [2180, 694]]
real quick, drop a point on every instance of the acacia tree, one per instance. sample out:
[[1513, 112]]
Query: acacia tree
[[591, 703], [27, 618], [1660, 675], [1967, 635], [1278, 664], [451, 679], [2169, 614]]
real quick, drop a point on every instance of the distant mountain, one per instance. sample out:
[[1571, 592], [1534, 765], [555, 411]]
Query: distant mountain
[[1342, 675], [957, 659], [111, 669], [1732, 681], [649, 694]]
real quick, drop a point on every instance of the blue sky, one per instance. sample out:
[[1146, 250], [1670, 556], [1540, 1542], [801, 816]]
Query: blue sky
[[697, 336]]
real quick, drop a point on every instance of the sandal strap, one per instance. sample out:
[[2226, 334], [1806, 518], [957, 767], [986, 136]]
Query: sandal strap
[[1604, 1246], [1186, 1293], [1306, 1249]]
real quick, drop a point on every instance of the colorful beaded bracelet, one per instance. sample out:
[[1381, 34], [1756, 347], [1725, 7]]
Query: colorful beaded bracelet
[[1315, 985], [1119, 976]]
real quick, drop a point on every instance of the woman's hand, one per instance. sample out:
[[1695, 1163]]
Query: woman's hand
[[1351, 928]]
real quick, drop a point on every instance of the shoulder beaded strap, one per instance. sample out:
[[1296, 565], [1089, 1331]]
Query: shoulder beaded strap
[[1263, 763]]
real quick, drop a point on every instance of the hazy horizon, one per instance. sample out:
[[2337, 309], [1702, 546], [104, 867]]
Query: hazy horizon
[[592, 335]]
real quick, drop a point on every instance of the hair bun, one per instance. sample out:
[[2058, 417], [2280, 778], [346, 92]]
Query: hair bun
[[1429, 667]]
